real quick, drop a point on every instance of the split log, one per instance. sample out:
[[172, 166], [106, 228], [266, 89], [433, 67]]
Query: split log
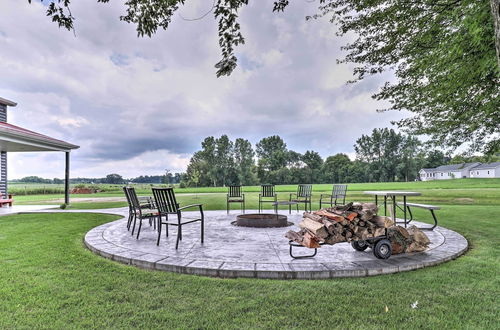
[[382, 221], [316, 228], [304, 238], [329, 215], [312, 216]]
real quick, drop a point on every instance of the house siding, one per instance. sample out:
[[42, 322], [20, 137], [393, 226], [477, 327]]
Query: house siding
[[3, 156], [485, 173]]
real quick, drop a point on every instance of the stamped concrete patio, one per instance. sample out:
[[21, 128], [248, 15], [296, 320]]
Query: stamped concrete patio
[[231, 251]]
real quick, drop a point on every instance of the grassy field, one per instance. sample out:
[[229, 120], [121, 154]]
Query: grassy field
[[446, 192], [49, 280]]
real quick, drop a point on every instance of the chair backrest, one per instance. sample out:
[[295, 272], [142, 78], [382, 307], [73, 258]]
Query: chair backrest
[[125, 190], [134, 200], [165, 200], [234, 191], [339, 190], [267, 190], [304, 190]]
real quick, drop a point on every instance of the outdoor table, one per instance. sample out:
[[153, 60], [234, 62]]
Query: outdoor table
[[289, 203], [393, 195]]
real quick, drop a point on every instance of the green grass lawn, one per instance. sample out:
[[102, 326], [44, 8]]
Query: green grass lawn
[[49, 280]]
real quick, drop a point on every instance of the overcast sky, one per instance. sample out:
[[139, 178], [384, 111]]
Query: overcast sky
[[139, 105]]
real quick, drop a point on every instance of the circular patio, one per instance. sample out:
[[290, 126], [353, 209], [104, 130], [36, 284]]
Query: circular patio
[[233, 251]]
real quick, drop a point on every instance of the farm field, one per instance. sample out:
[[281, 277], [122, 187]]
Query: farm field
[[445, 192]]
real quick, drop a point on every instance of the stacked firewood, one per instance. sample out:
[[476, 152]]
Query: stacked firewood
[[407, 240], [342, 223], [355, 222]]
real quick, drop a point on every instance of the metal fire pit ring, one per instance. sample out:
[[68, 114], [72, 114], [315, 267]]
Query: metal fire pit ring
[[261, 220]]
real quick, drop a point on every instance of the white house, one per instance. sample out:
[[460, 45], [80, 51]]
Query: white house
[[444, 172], [427, 174], [490, 170]]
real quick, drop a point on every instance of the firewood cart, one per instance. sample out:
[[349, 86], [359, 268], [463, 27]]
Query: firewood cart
[[380, 245]]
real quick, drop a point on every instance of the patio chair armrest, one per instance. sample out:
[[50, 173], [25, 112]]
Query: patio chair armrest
[[190, 206]]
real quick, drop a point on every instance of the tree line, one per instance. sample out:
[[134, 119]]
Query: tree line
[[113, 178], [384, 155]]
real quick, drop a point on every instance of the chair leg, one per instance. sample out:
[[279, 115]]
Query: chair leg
[[166, 226], [139, 230], [133, 227], [227, 207], [179, 234], [159, 231], [202, 230], [129, 222]]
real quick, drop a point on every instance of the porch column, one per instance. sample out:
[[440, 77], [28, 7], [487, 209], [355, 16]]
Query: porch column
[[66, 180]]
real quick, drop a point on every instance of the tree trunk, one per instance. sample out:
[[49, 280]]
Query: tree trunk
[[495, 11]]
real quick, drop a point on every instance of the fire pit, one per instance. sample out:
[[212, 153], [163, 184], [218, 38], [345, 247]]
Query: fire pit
[[261, 220]]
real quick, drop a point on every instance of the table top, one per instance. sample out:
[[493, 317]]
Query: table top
[[392, 193], [285, 203]]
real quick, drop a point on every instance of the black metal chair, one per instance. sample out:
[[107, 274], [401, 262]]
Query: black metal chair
[[130, 208], [145, 203], [338, 193], [235, 195], [303, 195], [139, 212], [167, 205], [267, 191]]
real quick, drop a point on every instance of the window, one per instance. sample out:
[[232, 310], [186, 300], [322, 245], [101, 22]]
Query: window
[[441, 174], [477, 172], [488, 172]]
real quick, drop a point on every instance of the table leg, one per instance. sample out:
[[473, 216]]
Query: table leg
[[385, 205], [394, 208], [404, 208], [376, 200]]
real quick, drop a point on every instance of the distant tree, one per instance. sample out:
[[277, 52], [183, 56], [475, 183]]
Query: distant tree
[[114, 179], [273, 156], [224, 161], [435, 158], [208, 154], [390, 156], [411, 160], [336, 169], [313, 162], [380, 151], [244, 162]]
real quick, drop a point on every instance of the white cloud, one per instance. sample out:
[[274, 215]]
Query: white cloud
[[140, 105]]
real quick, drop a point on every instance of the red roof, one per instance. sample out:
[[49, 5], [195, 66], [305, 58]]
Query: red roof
[[23, 131]]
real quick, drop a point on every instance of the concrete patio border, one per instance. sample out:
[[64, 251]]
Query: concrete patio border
[[113, 241]]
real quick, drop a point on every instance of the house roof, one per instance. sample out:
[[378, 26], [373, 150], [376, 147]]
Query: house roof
[[487, 166], [455, 167], [14, 138], [7, 102]]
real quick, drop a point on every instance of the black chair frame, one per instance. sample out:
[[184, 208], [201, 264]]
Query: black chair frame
[[267, 191], [235, 195], [139, 212], [303, 195], [338, 194], [167, 205]]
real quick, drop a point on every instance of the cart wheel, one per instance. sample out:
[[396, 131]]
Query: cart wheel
[[359, 245], [382, 249]]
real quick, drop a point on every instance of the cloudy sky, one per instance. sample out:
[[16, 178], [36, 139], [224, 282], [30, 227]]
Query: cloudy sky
[[141, 105]]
